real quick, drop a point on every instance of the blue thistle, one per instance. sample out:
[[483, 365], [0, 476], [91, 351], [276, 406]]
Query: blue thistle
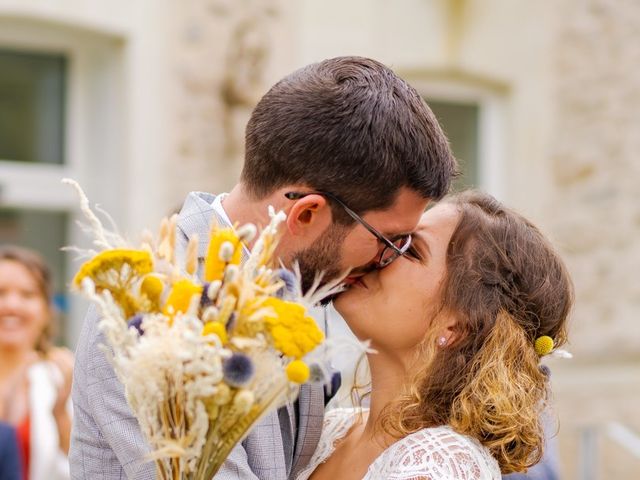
[[136, 322], [546, 371], [238, 370], [290, 288]]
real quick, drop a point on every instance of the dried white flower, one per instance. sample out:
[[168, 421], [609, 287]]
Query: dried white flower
[[210, 314], [226, 251], [213, 289], [231, 273], [222, 395], [243, 400], [247, 232]]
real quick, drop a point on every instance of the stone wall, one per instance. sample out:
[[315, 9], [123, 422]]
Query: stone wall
[[222, 52], [596, 221], [596, 167]]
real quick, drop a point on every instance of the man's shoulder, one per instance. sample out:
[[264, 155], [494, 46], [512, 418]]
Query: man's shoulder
[[90, 332]]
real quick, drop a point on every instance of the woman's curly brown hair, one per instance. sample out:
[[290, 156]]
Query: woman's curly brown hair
[[506, 286]]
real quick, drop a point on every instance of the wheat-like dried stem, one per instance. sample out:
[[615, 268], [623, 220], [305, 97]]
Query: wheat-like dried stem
[[96, 226], [239, 430]]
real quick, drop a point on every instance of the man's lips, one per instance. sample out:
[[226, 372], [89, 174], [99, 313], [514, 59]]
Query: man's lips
[[355, 280]]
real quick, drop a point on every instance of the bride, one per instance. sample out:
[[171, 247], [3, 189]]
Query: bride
[[457, 389]]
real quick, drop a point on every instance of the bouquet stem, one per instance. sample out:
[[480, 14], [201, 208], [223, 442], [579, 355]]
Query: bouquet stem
[[217, 449]]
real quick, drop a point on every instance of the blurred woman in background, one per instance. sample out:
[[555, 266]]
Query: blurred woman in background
[[35, 376]]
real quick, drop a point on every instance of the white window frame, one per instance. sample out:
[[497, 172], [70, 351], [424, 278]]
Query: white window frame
[[95, 136], [492, 138]]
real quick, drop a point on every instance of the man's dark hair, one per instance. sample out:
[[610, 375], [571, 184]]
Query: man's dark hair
[[351, 127]]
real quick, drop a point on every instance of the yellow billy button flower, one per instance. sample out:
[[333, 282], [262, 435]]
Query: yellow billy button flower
[[180, 296], [215, 328], [152, 287], [298, 371], [214, 265], [293, 332], [139, 262], [544, 345]]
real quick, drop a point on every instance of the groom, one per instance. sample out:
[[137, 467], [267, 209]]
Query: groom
[[353, 155]]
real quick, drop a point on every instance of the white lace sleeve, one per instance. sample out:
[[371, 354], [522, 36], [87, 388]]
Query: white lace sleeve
[[435, 454], [337, 423]]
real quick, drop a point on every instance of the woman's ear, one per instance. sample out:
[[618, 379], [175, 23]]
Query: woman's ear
[[449, 332], [310, 215]]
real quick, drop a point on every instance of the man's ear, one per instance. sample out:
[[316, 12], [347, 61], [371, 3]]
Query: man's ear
[[309, 214]]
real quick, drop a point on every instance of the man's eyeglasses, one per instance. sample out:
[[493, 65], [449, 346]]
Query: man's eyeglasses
[[392, 248]]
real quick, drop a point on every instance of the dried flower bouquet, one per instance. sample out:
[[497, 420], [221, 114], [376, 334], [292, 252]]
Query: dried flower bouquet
[[203, 351]]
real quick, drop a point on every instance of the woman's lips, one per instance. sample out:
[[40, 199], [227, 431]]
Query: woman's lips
[[10, 322]]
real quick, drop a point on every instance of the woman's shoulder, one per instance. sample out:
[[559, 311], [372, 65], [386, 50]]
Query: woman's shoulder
[[337, 423], [437, 453]]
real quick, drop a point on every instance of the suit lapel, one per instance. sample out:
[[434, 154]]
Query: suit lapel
[[310, 407], [311, 411], [285, 417]]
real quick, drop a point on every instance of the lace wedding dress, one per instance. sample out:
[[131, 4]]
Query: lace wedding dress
[[428, 454]]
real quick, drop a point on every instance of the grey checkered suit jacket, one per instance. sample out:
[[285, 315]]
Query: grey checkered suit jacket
[[106, 442]]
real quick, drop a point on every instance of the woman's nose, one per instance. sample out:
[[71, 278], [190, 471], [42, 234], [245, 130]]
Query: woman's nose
[[11, 301]]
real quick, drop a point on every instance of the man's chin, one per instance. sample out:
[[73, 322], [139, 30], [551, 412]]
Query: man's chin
[[323, 256]]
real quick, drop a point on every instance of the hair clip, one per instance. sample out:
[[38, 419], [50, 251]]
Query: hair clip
[[544, 345]]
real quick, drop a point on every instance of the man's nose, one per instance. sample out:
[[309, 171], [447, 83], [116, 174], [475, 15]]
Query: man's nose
[[369, 267]]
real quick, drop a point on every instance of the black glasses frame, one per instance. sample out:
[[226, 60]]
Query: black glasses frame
[[388, 244]]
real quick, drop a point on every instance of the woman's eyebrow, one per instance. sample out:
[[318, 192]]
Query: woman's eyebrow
[[396, 235], [419, 238]]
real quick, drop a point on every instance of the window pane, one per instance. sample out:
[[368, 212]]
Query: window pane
[[32, 98], [45, 232], [460, 123]]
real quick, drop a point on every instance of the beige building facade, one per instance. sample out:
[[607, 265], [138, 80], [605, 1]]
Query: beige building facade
[[157, 93]]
